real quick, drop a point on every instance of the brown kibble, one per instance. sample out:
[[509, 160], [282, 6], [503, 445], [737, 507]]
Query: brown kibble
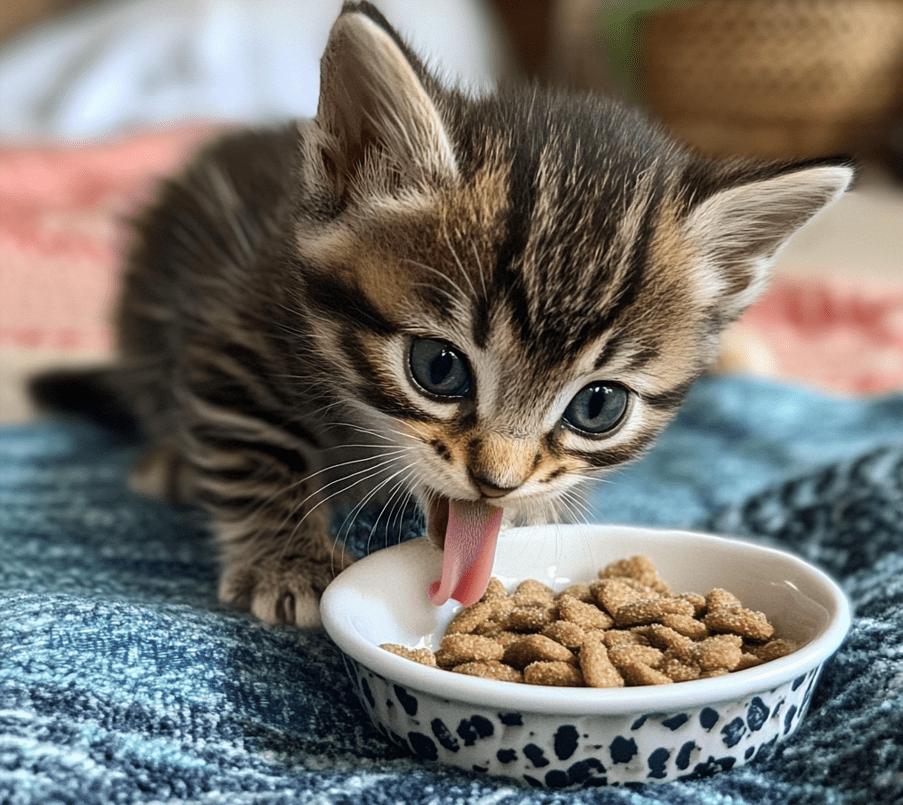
[[625, 655], [531, 592], [598, 669], [530, 619], [622, 637], [488, 628], [468, 619], [586, 616], [678, 668], [494, 590], [719, 598], [564, 632], [490, 669], [719, 651], [697, 601], [747, 661], [536, 648], [556, 674], [581, 592], [499, 607], [772, 650], [636, 673], [739, 620], [686, 625], [569, 640], [650, 610], [505, 638], [422, 655], [612, 594], [664, 637], [456, 649], [639, 568], [713, 673]]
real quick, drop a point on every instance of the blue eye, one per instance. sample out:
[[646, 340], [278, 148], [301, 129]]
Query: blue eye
[[597, 408], [438, 369]]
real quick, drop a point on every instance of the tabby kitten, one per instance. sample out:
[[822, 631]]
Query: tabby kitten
[[479, 301]]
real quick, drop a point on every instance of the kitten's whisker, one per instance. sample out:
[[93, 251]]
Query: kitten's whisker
[[359, 507], [403, 503], [462, 296], [359, 429], [291, 535], [480, 271], [344, 530], [461, 268], [575, 504], [400, 484], [367, 473]]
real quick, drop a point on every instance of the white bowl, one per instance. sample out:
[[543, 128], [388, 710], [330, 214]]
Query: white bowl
[[565, 737]]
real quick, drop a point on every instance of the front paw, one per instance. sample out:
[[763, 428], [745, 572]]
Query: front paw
[[282, 590]]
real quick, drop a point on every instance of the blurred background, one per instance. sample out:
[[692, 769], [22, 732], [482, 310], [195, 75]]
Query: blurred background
[[98, 97]]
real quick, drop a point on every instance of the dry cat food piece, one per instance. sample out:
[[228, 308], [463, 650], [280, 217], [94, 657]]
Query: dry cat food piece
[[536, 648], [490, 669], [626, 628], [422, 655], [457, 649]]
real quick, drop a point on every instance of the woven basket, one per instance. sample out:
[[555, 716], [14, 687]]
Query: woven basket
[[778, 78]]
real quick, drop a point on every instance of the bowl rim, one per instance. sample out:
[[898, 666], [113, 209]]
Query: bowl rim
[[508, 696]]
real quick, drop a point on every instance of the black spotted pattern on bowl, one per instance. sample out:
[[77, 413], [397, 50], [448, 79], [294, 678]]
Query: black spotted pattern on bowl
[[566, 752]]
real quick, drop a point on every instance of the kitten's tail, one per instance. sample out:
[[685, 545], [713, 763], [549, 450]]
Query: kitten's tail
[[94, 393]]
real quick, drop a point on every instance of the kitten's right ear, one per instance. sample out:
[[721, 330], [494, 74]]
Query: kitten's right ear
[[380, 124], [745, 217]]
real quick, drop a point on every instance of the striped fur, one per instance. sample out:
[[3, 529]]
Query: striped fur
[[554, 240]]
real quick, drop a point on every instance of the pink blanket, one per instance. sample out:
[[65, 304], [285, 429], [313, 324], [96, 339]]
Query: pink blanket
[[62, 231]]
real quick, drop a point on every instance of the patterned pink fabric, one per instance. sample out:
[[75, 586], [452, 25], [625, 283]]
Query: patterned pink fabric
[[62, 232], [62, 229], [833, 334]]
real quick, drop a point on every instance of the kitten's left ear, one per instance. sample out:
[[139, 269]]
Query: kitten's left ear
[[375, 105], [739, 228]]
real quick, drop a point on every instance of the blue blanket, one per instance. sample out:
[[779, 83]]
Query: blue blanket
[[123, 680]]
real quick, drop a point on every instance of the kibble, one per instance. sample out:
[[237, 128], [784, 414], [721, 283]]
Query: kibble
[[598, 669], [554, 674], [490, 669], [626, 628], [536, 648], [422, 655], [456, 649], [567, 633], [584, 615]]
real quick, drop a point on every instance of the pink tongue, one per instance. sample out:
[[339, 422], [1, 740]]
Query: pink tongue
[[473, 529]]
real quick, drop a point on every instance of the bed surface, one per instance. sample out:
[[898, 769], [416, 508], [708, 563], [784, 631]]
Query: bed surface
[[123, 680]]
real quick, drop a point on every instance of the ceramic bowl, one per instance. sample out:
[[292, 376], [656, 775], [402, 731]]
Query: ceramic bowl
[[581, 737]]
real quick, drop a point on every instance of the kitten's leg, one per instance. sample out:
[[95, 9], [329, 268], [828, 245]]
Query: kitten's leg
[[276, 552], [162, 473]]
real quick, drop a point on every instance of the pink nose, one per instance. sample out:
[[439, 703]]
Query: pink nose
[[489, 488]]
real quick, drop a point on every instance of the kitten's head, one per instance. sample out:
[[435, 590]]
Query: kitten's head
[[520, 288]]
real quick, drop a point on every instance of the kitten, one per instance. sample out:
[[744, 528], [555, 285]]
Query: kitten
[[479, 301]]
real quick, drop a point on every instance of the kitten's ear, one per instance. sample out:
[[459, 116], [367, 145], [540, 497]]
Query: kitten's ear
[[740, 227], [379, 120]]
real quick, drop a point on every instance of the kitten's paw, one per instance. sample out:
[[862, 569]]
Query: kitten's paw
[[284, 590]]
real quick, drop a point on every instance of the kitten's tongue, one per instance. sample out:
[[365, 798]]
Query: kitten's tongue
[[470, 537]]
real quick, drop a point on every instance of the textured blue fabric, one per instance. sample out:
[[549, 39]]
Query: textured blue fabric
[[123, 680]]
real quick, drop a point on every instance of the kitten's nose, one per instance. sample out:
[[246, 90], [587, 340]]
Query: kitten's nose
[[489, 488]]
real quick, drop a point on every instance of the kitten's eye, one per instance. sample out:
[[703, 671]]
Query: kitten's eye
[[438, 369], [597, 408]]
